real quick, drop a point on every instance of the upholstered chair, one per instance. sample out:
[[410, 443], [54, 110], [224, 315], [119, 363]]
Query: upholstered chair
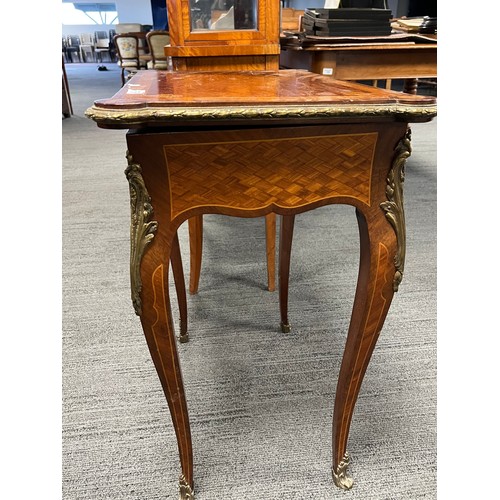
[[132, 29], [127, 49], [156, 42]]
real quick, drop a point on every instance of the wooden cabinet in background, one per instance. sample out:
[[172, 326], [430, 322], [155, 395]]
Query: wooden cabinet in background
[[236, 35]]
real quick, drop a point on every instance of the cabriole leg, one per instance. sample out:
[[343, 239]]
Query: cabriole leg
[[180, 288], [271, 251], [152, 245], [372, 300], [286, 236], [382, 234]]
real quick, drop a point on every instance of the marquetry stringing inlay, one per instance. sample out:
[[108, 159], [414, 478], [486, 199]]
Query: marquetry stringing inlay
[[289, 172]]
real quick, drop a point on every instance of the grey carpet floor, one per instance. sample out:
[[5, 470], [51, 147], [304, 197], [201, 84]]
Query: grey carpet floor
[[260, 402]]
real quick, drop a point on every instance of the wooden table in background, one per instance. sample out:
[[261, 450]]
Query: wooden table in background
[[247, 144], [387, 61]]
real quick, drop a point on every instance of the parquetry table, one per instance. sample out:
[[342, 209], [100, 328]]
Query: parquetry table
[[247, 144]]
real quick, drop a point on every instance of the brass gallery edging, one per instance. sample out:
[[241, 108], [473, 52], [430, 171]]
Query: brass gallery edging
[[163, 114], [142, 228], [394, 207]]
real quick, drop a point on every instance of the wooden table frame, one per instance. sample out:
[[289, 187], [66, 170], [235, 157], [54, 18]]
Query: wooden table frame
[[366, 62], [330, 142]]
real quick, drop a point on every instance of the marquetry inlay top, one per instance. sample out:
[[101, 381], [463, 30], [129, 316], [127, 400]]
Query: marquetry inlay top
[[162, 98]]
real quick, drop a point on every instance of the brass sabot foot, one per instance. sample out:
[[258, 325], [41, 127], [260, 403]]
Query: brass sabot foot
[[183, 338], [185, 491], [183, 333], [285, 328], [340, 474]]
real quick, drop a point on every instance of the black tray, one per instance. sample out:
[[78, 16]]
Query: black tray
[[349, 13]]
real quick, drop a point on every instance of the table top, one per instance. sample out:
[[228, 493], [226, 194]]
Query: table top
[[162, 98]]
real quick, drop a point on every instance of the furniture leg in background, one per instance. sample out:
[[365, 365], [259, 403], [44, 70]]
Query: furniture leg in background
[[196, 251], [67, 107]]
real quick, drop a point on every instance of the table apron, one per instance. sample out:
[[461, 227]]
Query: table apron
[[367, 64], [252, 172]]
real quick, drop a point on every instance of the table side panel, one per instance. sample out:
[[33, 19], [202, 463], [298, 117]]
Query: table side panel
[[286, 172]]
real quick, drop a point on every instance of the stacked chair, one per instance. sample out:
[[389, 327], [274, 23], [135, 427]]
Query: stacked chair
[[73, 48], [87, 46], [101, 45]]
